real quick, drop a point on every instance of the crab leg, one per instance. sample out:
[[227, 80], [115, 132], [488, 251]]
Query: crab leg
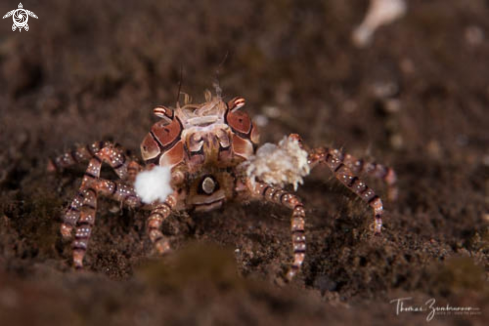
[[160, 213], [110, 154], [121, 192], [81, 212], [334, 160], [82, 200], [105, 151], [360, 166], [87, 212], [84, 226], [79, 155], [281, 197], [115, 157], [387, 174]]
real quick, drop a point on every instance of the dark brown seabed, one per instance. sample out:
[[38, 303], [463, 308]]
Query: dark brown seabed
[[87, 71]]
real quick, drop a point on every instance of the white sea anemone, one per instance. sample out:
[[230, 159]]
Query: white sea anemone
[[154, 184], [279, 165]]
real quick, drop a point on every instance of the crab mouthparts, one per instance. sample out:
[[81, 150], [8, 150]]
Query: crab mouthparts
[[205, 120]]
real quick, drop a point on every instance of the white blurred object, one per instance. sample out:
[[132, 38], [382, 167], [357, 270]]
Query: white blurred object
[[271, 111], [384, 90], [154, 184], [261, 120], [474, 35], [380, 12]]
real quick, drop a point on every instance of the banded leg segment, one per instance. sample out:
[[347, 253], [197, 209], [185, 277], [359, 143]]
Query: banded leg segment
[[159, 214], [281, 197], [346, 176], [84, 226], [103, 151], [115, 190], [117, 159], [79, 155], [82, 211], [118, 191], [87, 201], [73, 212], [360, 166], [385, 173]]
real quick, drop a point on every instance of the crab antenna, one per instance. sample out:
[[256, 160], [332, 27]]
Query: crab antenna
[[236, 103], [180, 81], [216, 85], [216, 81]]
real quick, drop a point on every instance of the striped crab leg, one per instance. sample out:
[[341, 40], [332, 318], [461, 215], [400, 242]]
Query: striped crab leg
[[81, 213], [79, 155], [380, 171], [108, 152], [87, 212], [335, 162], [159, 213], [286, 199], [125, 169]]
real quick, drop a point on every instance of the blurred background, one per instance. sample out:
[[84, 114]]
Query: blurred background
[[401, 83]]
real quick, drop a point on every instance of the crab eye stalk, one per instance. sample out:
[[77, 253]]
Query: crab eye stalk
[[164, 113], [236, 103]]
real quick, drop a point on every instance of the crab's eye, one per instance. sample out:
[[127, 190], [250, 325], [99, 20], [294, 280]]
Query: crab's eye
[[208, 185], [164, 113], [239, 121]]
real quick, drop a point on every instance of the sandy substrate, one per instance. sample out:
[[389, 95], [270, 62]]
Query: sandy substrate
[[416, 99]]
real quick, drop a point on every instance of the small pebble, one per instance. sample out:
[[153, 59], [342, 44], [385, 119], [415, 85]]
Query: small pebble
[[397, 142], [271, 111], [261, 120], [485, 160], [474, 35]]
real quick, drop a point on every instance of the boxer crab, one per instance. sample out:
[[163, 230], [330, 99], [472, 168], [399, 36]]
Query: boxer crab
[[199, 156]]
